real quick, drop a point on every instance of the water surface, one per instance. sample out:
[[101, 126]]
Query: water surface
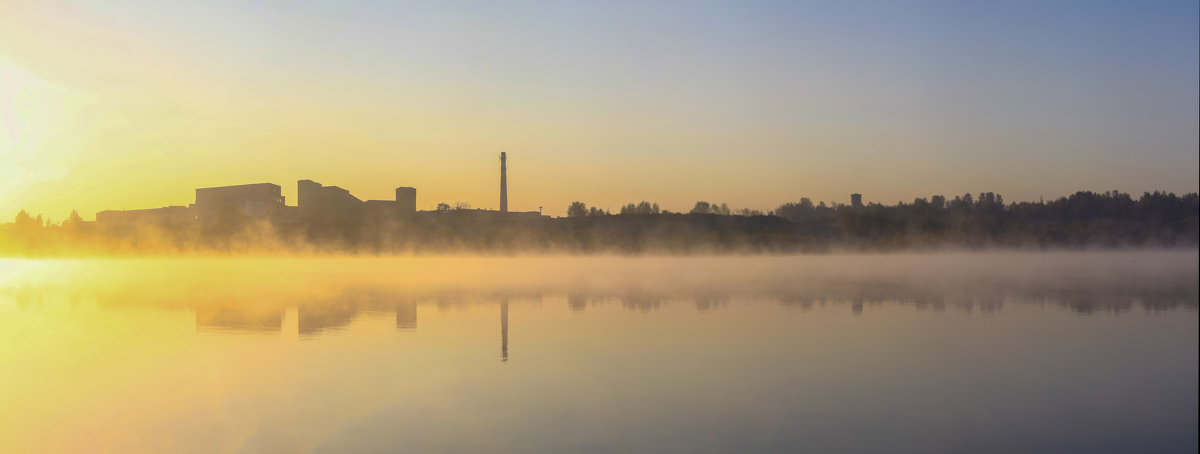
[[1086, 352]]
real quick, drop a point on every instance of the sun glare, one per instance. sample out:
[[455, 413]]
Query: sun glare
[[29, 106]]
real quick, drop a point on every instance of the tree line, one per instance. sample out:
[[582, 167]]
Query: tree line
[[1084, 219]]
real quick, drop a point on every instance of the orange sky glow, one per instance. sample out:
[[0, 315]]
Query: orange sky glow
[[134, 105]]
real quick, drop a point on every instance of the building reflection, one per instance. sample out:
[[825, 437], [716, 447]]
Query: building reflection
[[706, 303], [274, 303], [577, 301], [642, 300], [263, 308], [406, 316], [233, 318], [314, 318]]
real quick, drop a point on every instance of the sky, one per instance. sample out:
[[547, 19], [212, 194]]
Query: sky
[[124, 104]]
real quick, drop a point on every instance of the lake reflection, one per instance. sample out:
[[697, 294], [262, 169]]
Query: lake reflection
[[935, 353]]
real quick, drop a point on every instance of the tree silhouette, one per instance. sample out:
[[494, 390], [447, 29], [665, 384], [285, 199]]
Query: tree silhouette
[[577, 210]]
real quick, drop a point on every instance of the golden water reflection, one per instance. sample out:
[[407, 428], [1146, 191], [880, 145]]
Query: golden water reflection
[[1088, 352]]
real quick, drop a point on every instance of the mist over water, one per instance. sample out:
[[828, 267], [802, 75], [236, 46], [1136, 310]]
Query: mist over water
[[599, 227], [955, 352]]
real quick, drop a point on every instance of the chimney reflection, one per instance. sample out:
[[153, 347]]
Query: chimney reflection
[[504, 330]]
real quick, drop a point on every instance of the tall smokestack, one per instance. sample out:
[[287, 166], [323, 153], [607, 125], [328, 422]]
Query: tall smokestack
[[503, 183]]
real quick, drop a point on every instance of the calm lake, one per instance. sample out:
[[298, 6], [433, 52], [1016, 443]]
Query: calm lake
[[987, 352]]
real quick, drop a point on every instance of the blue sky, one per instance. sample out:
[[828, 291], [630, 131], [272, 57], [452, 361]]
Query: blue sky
[[749, 103]]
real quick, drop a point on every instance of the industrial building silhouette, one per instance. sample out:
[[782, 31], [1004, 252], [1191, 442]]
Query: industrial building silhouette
[[315, 204]]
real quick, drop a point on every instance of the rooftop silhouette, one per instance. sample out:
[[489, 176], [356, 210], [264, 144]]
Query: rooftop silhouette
[[316, 204]]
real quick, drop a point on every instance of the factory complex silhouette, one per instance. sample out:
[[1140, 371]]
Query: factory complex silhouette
[[316, 204], [329, 219]]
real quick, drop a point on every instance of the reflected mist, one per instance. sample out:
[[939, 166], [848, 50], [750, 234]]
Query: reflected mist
[[920, 353]]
